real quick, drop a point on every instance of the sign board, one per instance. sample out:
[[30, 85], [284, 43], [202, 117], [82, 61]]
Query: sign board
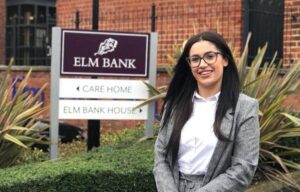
[[101, 109], [102, 88], [96, 53], [104, 53]]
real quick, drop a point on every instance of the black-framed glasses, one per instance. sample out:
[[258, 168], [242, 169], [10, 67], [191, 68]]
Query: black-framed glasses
[[209, 58]]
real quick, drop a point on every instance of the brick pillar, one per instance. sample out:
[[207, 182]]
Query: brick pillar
[[291, 38], [2, 30]]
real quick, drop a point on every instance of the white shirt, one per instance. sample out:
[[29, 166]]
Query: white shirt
[[198, 141]]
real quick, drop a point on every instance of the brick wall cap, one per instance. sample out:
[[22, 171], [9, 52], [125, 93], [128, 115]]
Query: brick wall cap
[[26, 68]]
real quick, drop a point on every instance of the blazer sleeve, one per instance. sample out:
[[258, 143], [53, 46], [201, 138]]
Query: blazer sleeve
[[245, 154], [162, 171]]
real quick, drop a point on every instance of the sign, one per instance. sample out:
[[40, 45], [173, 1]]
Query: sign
[[102, 89], [104, 53], [96, 53], [101, 109]]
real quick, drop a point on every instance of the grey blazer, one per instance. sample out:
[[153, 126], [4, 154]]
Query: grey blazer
[[233, 164]]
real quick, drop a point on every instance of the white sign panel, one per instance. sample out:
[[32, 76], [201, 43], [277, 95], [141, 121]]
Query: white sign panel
[[102, 89], [101, 109]]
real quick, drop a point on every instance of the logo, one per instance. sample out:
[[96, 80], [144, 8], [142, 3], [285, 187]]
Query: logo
[[108, 45]]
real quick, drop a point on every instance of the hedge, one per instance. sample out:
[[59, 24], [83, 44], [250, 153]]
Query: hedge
[[108, 169]]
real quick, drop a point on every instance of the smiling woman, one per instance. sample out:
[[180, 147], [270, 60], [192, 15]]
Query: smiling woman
[[209, 136]]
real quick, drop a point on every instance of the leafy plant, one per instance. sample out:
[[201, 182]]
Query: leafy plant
[[18, 129], [276, 123], [270, 88]]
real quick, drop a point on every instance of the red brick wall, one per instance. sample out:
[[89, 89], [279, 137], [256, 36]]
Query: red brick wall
[[176, 19], [65, 11], [291, 44], [291, 31], [2, 30]]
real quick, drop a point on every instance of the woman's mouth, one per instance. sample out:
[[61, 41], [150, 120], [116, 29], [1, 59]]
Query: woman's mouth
[[205, 73]]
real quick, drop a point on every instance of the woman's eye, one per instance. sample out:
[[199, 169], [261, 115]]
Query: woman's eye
[[195, 59], [209, 56]]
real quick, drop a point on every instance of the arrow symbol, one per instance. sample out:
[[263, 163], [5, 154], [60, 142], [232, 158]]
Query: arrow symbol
[[77, 88]]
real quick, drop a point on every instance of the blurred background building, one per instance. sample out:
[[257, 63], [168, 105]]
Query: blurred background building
[[25, 31]]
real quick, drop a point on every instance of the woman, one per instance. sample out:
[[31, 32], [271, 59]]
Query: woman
[[209, 136]]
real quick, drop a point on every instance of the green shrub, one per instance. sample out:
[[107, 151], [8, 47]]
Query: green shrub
[[17, 125], [32, 156], [110, 168]]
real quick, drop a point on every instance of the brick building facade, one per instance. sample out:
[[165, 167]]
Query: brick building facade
[[175, 21], [292, 30]]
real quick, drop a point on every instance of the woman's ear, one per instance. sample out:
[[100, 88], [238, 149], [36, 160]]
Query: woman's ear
[[225, 62]]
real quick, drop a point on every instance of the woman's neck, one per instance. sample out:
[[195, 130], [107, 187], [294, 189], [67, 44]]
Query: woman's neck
[[208, 92]]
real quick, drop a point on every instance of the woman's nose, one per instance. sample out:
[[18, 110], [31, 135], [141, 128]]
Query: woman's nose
[[202, 63]]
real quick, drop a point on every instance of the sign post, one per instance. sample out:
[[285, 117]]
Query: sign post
[[149, 131], [128, 58], [54, 98]]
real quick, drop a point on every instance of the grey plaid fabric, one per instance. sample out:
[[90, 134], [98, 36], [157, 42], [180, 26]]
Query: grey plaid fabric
[[190, 183], [233, 164]]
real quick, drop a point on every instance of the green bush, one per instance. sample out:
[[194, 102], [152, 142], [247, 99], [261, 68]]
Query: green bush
[[32, 156], [18, 127], [110, 168]]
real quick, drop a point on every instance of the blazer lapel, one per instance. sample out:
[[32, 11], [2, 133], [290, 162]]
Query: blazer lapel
[[226, 127]]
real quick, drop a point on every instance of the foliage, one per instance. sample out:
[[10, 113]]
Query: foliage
[[110, 168], [110, 138], [122, 137], [17, 126], [32, 156], [270, 88]]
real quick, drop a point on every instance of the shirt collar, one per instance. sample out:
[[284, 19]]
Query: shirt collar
[[211, 98]]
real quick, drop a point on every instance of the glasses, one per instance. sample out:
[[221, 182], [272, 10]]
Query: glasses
[[209, 58]]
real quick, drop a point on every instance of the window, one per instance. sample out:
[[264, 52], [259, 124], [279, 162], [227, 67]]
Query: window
[[264, 18], [28, 31]]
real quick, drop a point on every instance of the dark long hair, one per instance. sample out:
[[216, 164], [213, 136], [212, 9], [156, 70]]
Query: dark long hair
[[178, 104]]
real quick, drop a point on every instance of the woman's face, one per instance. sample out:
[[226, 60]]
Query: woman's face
[[207, 65]]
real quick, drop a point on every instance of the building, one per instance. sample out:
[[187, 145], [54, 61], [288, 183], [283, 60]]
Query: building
[[274, 21]]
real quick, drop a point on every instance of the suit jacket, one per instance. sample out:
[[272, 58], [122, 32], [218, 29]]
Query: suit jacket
[[233, 163]]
